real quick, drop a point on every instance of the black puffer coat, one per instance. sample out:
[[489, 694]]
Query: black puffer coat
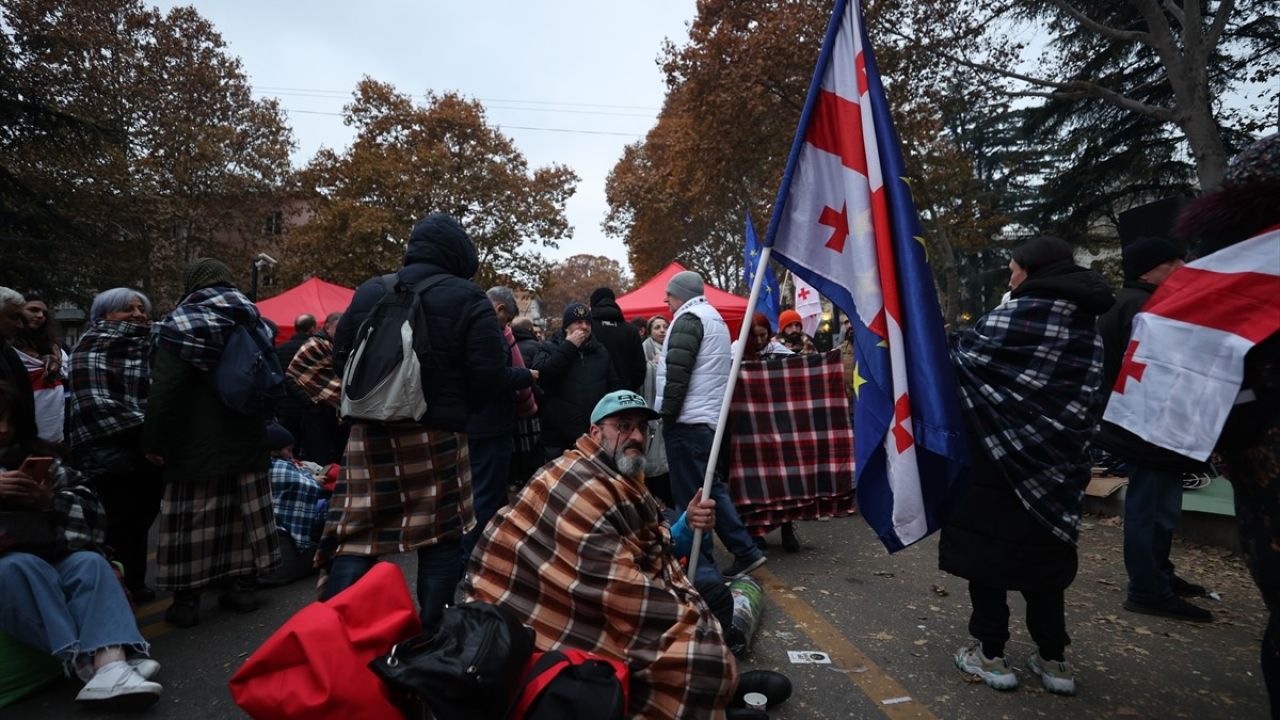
[[573, 380], [466, 366], [621, 339]]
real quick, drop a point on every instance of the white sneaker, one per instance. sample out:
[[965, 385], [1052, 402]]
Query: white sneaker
[[118, 686], [145, 666], [995, 672], [1056, 676]]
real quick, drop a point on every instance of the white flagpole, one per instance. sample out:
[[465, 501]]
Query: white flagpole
[[744, 333]]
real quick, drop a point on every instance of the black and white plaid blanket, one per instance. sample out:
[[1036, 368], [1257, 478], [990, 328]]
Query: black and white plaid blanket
[[108, 381], [198, 329], [1030, 378]]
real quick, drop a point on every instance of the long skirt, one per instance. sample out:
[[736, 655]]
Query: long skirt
[[215, 529]]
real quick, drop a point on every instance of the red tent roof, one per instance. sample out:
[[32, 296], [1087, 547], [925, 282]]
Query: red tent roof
[[314, 297], [651, 299]]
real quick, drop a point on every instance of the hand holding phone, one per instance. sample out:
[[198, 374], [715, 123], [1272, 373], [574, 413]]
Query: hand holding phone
[[37, 468]]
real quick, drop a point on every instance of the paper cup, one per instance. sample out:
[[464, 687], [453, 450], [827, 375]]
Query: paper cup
[[755, 701]]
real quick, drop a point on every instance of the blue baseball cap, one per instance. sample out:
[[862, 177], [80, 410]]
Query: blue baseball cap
[[621, 401]]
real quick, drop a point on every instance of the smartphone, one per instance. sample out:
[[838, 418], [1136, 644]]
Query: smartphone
[[37, 468]]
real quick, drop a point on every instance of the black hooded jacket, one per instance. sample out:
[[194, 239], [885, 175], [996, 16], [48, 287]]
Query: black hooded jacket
[[1068, 281], [573, 379], [466, 365], [621, 339]]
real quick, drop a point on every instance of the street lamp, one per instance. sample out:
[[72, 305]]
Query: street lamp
[[265, 265]]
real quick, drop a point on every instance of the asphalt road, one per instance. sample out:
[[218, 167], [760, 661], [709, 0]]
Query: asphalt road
[[890, 625]]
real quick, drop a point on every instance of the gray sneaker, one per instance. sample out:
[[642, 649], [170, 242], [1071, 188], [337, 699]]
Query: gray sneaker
[[993, 671], [1057, 676]]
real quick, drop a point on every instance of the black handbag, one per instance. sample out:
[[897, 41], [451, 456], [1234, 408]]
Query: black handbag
[[467, 669]]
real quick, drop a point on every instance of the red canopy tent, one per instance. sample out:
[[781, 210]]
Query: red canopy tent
[[314, 297], [651, 299]]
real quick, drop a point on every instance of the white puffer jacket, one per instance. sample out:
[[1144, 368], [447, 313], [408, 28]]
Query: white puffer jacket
[[697, 385]]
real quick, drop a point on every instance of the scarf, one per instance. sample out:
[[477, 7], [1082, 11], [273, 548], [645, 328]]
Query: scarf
[[107, 381], [198, 329]]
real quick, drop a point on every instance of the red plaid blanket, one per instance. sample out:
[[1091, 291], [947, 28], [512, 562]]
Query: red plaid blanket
[[791, 441]]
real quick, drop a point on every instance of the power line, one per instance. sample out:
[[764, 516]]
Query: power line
[[315, 92], [500, 126]]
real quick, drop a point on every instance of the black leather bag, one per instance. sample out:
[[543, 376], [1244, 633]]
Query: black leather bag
[[467, 669]]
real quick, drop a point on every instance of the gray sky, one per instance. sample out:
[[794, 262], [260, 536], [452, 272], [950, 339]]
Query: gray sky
[[582, 65]]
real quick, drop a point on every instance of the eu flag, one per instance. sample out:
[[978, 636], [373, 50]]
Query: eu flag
[[769, 294]]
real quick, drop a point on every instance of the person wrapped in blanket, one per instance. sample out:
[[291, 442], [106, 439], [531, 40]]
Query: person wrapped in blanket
[[299, 501], [57, 591], [1030, 381], [586, 559]]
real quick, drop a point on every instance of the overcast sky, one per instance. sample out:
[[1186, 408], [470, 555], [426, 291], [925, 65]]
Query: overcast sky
[[586, 66]]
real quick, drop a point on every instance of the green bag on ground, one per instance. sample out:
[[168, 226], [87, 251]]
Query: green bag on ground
[[23, 669]]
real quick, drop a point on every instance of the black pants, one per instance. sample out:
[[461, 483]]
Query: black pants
[[1046, 620], [131, 498], [322, 438]]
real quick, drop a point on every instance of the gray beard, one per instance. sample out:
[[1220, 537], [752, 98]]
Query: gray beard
[[629, 466]]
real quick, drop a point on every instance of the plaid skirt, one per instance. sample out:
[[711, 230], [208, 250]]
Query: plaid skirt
[[215, 529], [402, 487]]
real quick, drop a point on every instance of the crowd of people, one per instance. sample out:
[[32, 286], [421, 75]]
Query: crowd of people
[[603, 431]]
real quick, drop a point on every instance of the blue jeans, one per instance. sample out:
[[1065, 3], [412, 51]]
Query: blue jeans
[[688, 449], [1152, 508], [437, 577], [67, 608], [490, 473]]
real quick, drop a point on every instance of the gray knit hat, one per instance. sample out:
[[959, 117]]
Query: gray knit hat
[[685, 285]]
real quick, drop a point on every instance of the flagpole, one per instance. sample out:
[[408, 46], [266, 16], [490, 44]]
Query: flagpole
[[744, 333]]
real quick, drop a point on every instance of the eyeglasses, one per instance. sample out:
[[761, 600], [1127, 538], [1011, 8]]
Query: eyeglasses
[[626, 428]]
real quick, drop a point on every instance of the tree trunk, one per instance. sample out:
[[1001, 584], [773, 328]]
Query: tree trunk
[[1207, 150]]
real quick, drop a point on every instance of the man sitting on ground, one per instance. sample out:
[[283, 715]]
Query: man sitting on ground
[[584, 557]]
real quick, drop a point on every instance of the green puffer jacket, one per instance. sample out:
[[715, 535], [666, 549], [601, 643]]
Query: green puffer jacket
[[190, 427]]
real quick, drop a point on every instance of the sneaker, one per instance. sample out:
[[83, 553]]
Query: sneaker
[[1057, 676], [145, 666], [119, 687], [790, 540], [995, 672], [742, 566], [1184, 588], [1175, 607]]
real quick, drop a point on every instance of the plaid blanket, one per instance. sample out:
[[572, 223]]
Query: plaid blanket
[[312, 369], [108, 381], [214, 529], [791, 441], [198, 329], [294, 497], [584, 558], [81, 523], [401, 487], [1030, 379]]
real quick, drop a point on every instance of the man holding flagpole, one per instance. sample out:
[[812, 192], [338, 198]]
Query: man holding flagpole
[[693, 377]]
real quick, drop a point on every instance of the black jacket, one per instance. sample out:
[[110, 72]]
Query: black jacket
[[295, 403], [14, 372], [622, 340], [1115, 328], [498, 416], [573, 380], [528, 344], [465, 366]]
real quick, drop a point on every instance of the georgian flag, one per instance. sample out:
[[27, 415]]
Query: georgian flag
[[1184, 363], [846, 224], [808, 304]]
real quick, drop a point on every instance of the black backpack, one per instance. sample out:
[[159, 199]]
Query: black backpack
[[572, 685], [382, 380], [248, 376]]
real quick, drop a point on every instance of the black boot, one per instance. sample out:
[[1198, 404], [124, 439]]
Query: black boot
[[241, 596], [790, 541]]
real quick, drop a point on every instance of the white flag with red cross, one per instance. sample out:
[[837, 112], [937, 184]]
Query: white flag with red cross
[[1184, 364]]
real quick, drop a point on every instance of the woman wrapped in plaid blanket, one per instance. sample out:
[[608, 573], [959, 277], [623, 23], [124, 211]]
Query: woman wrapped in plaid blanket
[[216, 524], [1030, 377]]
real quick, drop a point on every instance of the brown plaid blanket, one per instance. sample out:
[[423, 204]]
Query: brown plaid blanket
[[214, 529], [584, 558], [402, 487], [312, 370], [791, 441]]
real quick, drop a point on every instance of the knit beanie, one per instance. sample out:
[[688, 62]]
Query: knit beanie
[[1146, 253], [787, 317], [600, 295], [685, 285], [278, 436], [574, 313], [206, 272]]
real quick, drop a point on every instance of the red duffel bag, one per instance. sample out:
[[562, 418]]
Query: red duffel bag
[[317, 664]]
